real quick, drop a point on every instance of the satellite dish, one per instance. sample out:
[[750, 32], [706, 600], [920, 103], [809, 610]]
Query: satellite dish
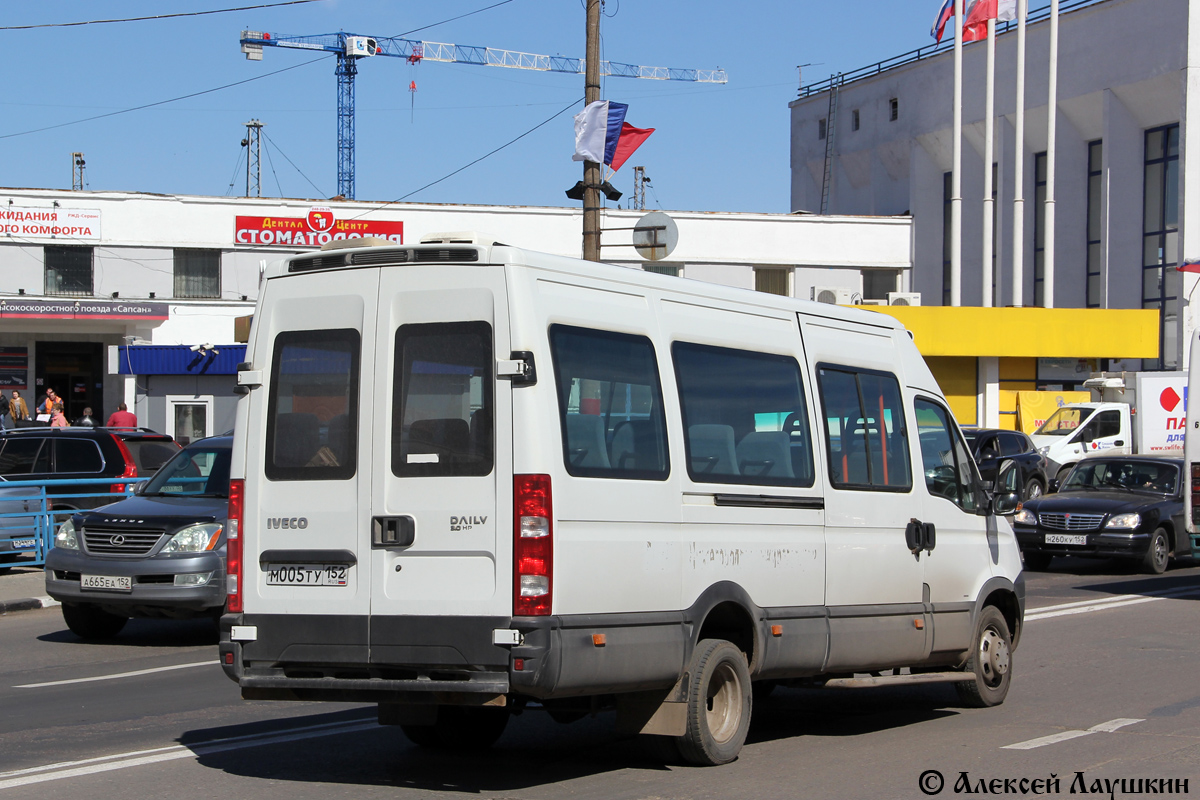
[[655, 236]]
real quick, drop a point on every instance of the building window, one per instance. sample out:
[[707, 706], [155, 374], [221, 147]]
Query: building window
[[771, 281], [878, 282], [821, 124], [1094, 222], [1039, 229], [895, 109], [947, 229], [662, 269], [1160, 238], [854, 119], [197, 273], [69, 271]]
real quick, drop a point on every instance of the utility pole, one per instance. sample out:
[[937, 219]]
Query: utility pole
[[639, 188], [77, 164], [253, 145], [591, 170]]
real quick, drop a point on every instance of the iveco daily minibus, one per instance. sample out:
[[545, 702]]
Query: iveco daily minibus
[[471, 479]]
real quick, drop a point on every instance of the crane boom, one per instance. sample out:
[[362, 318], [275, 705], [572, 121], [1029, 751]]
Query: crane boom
[[350, 48]]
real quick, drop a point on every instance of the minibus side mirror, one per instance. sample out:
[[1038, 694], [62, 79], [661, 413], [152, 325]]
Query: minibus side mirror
[[1005, 504]]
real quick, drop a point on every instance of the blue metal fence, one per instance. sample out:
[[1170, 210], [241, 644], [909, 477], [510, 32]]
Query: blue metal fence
[[27, 532]]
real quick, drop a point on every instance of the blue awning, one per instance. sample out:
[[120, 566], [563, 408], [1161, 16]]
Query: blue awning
[[180, 359]]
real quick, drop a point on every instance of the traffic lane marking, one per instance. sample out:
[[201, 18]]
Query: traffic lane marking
[[136, 758], [118, 675], [1120, 601], [1042, 741]]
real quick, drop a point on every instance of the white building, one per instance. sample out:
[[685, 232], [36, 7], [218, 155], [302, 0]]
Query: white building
[[1128, 208], [83, 275]]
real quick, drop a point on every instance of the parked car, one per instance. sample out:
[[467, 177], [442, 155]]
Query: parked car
[[113, 457], [159, 553], [992, 447], [19, 506], [1109, 507]]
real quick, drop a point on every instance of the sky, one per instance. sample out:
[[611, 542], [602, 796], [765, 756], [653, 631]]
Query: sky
[[716, 147]]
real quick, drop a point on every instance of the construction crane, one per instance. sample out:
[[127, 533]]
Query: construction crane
[[349, 48]]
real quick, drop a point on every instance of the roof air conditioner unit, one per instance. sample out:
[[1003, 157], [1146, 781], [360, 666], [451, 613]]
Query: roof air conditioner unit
[[833, 295], [904, 298]]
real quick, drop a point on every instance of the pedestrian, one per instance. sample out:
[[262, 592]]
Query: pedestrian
[[47, 404], [86, 420], [57, 418], [121, 418], [18, 410]]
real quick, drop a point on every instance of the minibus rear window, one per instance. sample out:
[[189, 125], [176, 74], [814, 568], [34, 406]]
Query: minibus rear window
[[442, 415], [744, 413], [610, 404], [312, 414], [865, 430]]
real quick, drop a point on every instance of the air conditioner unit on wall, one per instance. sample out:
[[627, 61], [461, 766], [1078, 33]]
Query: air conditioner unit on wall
[[904, 298], [834, 295]]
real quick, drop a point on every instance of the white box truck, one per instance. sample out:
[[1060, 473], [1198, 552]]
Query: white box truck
[[471, 479], [1141, 413]]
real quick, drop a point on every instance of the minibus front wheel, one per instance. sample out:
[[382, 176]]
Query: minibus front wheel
[[990, 663]]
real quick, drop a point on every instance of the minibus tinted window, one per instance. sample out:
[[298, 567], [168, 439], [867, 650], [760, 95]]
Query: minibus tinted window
[[864, 427], [944, 457], [442, 415], [744, 414], [312, 416], [610, 404]]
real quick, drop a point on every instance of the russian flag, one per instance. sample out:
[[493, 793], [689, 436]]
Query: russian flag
[[602, 134], [945, 14]]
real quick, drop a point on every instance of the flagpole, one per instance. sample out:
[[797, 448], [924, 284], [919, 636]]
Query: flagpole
[[956, 171], [989, 210], [1051, 128], [1018, 263]]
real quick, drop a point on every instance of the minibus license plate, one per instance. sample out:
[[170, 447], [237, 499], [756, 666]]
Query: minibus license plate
[[106, 583], [306, 574], [1062, 538]]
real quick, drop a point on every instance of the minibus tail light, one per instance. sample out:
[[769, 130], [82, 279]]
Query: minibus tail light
[[233, 546], [533, 545]]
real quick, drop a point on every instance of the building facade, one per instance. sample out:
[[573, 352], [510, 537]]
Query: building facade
[[1127, 206]]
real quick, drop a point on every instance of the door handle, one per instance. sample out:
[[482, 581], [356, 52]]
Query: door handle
[[1119, 442], [391, 532], [920, 536]]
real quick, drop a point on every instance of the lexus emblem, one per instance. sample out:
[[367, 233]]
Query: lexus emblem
[[117, 540]]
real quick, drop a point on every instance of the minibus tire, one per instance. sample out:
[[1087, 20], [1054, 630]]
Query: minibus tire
[[990, 662], [720, 699], [460, 728], [89, 622]]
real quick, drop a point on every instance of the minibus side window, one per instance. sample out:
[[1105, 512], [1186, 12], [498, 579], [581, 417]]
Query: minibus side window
[[944, 457], [744, 414], [610, 404], [443, 420], [312, 413], [865, 430]]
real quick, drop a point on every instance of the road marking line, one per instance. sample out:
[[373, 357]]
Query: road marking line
[[93, 766], [1087, 606], [1055, 738], [118, 675]]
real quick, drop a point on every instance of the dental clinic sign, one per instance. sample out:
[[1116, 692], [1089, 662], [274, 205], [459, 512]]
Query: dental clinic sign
[[50, 223], [312, 230]]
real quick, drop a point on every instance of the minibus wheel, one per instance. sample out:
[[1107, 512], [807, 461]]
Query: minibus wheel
[[460, 728], [720, 699], [990, 663], [89, 622]]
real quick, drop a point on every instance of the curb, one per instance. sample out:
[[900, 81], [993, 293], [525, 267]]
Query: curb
[[27, 604]]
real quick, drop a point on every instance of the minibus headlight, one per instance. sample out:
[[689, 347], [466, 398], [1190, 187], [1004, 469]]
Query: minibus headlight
[[195, 539], [65, 538]]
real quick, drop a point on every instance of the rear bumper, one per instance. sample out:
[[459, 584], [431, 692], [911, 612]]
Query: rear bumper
[[154, 592], [1098, 544]]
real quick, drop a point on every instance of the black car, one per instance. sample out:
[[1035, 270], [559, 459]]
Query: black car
[[1109, 507], [114, 457], [993, 447], [160, 553]]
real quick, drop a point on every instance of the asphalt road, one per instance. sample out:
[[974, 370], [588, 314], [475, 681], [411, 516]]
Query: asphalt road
[[1106, 683]]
